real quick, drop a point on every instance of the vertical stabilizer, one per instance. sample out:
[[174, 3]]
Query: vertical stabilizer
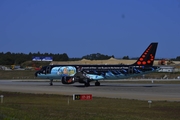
[[148, 56]]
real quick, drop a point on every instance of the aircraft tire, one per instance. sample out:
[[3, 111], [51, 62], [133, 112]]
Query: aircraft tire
[[87, 84], [51, 82], [97, 83]]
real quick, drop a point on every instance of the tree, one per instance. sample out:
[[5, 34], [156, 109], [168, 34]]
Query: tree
[[96, 56], [65, 57], [178, 58], [126, 57]]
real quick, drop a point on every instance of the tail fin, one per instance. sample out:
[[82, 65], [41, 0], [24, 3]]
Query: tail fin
[[147, 58]]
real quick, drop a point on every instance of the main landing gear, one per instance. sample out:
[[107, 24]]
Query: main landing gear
[[97, 83], [51, 82], [87, 84]]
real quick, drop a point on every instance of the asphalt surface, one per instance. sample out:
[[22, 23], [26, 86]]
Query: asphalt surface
[[150, 91]]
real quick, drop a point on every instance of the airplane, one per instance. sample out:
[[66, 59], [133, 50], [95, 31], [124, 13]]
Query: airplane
[[69, 74]]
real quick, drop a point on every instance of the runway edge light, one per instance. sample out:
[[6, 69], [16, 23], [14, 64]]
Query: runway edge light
[[82, 96]]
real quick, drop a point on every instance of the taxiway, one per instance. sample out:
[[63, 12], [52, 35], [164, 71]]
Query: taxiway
[[150, 91]]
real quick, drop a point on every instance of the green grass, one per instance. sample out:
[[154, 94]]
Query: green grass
[[21, 106], [17, 74]]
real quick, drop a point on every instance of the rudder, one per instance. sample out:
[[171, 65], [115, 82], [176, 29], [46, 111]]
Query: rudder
[[148, 56]]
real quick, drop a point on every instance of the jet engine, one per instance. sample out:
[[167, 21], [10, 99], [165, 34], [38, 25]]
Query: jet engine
[[67, 80]]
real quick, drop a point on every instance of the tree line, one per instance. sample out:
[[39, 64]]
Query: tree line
[[9, 58]]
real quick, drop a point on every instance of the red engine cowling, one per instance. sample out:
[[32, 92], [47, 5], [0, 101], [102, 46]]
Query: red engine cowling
[[67, 80]]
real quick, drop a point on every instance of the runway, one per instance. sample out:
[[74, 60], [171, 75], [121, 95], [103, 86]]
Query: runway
[[155, 92]]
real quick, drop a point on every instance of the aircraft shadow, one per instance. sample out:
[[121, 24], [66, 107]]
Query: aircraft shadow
[[82, 86]]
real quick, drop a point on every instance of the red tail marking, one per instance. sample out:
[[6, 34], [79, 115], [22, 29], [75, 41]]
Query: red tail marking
[[139, 63], [144, 62], [141, 59], [148, 61]]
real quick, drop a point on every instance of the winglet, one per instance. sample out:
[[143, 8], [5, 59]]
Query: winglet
[[148, 56]]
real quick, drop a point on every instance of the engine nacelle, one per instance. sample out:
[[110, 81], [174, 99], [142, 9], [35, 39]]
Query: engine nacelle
[[67, 80]]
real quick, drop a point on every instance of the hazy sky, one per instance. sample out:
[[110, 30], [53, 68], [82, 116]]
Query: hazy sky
[[81, 27]]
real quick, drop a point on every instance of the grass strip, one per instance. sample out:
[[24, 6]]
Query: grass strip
[[23, 106]]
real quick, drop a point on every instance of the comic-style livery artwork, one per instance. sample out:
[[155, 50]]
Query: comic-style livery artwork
[[69, 74], [65, 70]]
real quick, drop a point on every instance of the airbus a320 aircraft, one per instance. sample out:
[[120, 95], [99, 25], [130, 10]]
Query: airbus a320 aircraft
[[69, 74]]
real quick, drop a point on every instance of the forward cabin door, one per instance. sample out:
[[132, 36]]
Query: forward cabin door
[[48, 69]]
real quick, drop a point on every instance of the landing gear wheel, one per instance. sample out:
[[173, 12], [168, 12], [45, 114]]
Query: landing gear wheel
[[87, 84], [51, 82], [97, 83]]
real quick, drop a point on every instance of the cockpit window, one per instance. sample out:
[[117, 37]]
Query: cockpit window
[[43, 68]]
